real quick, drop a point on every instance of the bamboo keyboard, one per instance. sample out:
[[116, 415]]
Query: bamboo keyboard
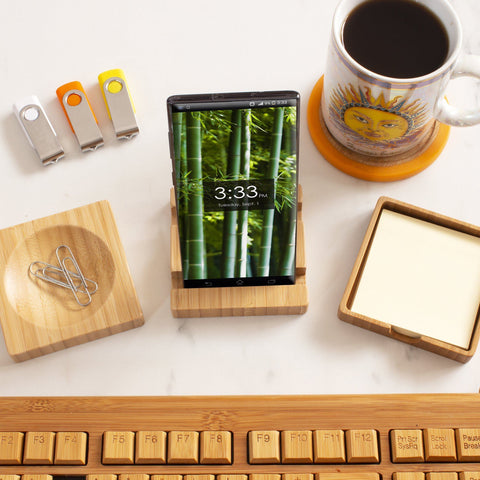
[[367, 437]]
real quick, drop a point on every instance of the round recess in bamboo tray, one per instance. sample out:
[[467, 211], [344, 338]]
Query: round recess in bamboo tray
[[373, 168]]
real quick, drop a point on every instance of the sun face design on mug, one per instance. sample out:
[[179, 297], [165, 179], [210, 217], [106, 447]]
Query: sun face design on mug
[[374, 118], [376, 125]]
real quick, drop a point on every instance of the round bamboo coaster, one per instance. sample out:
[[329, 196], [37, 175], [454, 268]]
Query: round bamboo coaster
[[365, 167]]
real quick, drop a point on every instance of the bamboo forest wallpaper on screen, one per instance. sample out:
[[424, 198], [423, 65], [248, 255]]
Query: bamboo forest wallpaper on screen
[[236, 177]]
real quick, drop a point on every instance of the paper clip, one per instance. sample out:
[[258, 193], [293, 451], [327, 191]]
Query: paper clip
[[119, 103], [80, 115], [62, 276], [48, 272], [38, 129]]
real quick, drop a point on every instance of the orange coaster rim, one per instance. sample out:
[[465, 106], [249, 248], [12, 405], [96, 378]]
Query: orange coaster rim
[[346, 160]]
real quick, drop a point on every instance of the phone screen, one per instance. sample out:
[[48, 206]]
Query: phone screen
[[235, 160]]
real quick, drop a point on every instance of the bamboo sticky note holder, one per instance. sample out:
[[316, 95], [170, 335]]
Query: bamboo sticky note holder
[[417, 279], [237, 301], [39, 318]]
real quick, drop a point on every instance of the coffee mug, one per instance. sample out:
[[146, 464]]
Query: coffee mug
[[380, 115]]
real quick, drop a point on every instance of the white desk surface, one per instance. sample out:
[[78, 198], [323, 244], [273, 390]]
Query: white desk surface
[[188, 46]]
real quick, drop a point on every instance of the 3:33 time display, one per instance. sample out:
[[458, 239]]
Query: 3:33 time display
[[238, 192], [225, 195]]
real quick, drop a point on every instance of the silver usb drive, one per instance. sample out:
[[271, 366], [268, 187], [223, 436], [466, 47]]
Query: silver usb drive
[[38, 129]]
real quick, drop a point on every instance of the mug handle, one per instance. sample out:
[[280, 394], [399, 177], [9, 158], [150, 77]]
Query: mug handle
[[467, 66]]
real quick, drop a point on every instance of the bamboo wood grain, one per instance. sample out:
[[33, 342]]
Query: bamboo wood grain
[[237, 301], [240, 415], [329, 446], [39, 318], [346, 313], [71, 448], [297, 446]]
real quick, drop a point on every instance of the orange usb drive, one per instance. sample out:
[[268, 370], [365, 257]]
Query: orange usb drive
[[80, 115]]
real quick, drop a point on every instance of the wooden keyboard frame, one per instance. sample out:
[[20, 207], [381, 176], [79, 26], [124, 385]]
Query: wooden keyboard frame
[[239, 414]]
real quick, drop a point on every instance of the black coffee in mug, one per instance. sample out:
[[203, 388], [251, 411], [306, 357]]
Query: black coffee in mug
[[396, 38]]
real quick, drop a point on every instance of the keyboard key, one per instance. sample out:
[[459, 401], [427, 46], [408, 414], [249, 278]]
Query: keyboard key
[[408, 476], [264, 446], [38, 448], [407, 446], [232, 477], [362, 446], [133, 476], [151, 447], [439, 445], [37, 477], [118, 448], [102, 476], [183, 447], [468, 444], [297, 446], [199, 477], [166, 477], [469, 476], [348, 476], [9, 477], [71, 448], [215, 447], [442, 476], [11, 448], [265, 476], [297, 476], [329, 446]]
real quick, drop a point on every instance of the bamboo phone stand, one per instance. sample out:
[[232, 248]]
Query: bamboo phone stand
[[237, 301]]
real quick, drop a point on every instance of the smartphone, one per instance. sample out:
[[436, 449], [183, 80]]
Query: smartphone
[[235, 171]]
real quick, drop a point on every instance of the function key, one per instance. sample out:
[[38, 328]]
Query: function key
[[297, 446], [39, 448], [11, 448], [9, 477], [439, 445], [151, 447], [362, 446], [407, 446], [118, 448], [468, 444], [264, 446], [329, 446], [183, 447], [216, 447], [71, 448]]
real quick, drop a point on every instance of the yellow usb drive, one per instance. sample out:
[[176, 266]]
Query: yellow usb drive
[[119, 103]]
